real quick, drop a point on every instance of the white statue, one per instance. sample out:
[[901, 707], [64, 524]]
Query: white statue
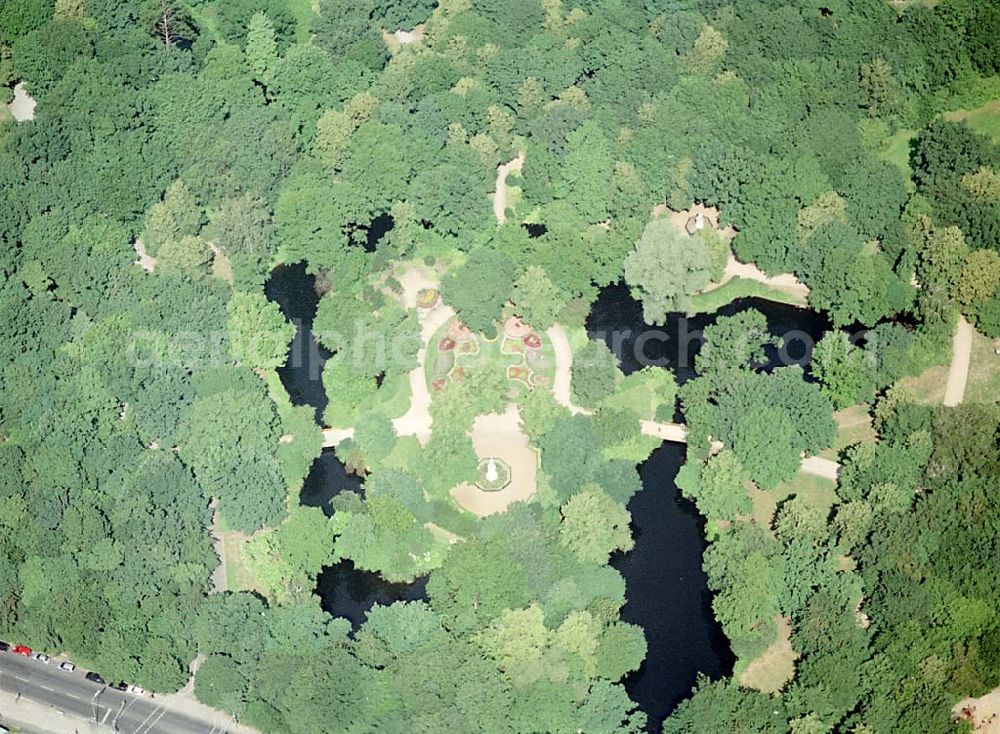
[[491, 471]]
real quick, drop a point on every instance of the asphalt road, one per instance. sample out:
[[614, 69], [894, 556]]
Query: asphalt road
[[75, 696]]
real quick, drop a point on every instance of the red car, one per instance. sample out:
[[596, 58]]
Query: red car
[[21, 650]]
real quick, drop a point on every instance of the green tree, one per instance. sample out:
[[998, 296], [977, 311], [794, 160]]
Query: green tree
[[478, 581], [479, 288], [595, 373], [978, 279], [222, 683], [881, 95], [537, 300], [764, 442], [259, 336], [374, 437], [845, 372], [708, 50], [586, 174], [188, 255], [720, 490], [176, 216], [665, 269], [594, 526], [734, 341], [230, 440], [261, 47]]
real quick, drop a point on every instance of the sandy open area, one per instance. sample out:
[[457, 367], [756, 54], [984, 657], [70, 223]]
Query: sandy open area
[[983, 712], [500, 436], [146, 261], [23, 106]]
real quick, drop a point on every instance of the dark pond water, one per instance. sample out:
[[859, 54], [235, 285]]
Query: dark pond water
[[294, 290], [349, 592], [616, 317], [344, 591], [667, 589]]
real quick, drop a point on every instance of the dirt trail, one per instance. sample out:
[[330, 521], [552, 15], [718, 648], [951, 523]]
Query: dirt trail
[[820, 467], [500, 196], [786, 282], [958, 371], [564, 364]]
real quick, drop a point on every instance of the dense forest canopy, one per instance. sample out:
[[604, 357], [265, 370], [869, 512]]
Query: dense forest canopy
[[140, 410]]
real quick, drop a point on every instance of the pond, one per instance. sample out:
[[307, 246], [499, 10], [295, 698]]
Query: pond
[[344, 591], [667, 590]]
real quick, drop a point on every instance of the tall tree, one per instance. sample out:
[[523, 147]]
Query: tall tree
[[665, 269]]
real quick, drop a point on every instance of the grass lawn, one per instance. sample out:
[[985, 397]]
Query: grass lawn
[[393, 398], [926, 388], [239, 577], [854, 425], [772, 669], [983, 385], [984, 119], [640, 399], [817, 491], [405, 455], [897, 151], [302, 10], [740, 288]]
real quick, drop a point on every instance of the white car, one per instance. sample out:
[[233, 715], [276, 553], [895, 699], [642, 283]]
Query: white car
[[67, 666], [42, 657], [136, 690]]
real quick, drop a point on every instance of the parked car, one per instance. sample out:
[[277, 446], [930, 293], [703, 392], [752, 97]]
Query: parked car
[[42, 657], [95, 678], [22, 650], [67, 666], [4, 647], [136, 690], [120, 686]]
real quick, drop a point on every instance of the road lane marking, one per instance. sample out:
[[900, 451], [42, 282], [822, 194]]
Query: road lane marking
[[143, 722], [147, 724]]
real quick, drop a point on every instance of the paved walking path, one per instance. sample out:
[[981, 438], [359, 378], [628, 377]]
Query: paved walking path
[[958, 372], [416, 421], [500, 195]]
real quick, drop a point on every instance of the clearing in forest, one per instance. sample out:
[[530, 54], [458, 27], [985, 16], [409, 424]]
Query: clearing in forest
[[774, 667]]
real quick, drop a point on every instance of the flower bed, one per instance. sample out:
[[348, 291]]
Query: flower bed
[[428, 297]]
